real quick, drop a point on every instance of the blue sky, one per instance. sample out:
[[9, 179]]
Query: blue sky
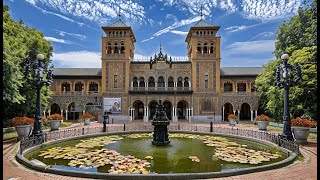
[[248, 27]]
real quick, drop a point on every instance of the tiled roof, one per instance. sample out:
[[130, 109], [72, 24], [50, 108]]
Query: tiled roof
[[240, 71], [119, 23], [202, 23], [76, 71]]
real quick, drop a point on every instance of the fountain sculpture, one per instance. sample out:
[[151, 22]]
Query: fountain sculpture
[[160, 122]]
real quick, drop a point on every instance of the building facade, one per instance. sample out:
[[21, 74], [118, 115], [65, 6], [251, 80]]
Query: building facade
[[194, 88]]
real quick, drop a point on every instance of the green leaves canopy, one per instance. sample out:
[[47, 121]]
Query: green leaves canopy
[[20, 42]]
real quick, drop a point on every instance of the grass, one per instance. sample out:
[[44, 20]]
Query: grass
[[66, 124]]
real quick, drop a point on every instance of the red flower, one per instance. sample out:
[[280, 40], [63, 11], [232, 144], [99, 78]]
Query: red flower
[[262, 117], [87, 115], [301, 123], [232, 116], [18, 121], [55, 117]]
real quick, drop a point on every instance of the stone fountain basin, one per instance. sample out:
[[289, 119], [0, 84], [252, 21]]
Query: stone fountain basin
[[43, 168]]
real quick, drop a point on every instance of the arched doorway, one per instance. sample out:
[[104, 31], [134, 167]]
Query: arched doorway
[[168, 109], [228, 109], [72, 113], [245, 112], [152, 109], [138, 109], [182, 109], [55, 108]]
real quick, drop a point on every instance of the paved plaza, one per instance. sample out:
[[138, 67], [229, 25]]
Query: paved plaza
[[304, 170]]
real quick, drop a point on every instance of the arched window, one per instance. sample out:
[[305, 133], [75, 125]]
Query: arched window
[[160, 81], [253, 87], [186, 82], [135, 82], [65, 86], [109, 46], [212, 48], [179, 84], [151, 82], [205, 48], [241, 87], [141, 83], [93, 86], [116, 48], [170, 82], [78, 86], [228, 87], [122, 48], [199, 48]]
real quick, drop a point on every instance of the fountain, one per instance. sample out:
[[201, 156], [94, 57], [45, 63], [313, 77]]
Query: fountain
[[160, 122]]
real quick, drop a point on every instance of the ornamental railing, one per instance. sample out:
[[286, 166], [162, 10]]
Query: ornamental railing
[[67, 133]]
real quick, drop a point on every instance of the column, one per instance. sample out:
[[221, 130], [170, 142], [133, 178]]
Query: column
[[131, 84], [145, 114], [138, 83], [238, 116], [223, 113], [66, 115], [234, 112], [174, 114], [132, 113], [189, 84], [187, 116], [44, 114], [256, 112], [49, 112], [251, 115], [83, 111], [61, 114]]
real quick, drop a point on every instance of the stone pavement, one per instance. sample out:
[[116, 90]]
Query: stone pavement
[[306, 170]]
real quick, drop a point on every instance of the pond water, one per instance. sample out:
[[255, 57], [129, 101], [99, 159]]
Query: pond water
[[177, 157]]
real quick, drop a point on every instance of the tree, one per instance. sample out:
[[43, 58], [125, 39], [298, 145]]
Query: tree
[[302, 96], [300, 31], [20, 42]]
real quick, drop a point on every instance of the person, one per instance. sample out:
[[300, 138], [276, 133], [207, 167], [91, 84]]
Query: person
[[115, 107]]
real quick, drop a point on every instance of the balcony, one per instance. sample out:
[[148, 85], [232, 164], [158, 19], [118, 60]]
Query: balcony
[[76, 93], [165, 90], [240, 94]]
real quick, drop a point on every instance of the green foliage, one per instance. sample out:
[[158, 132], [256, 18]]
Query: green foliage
[[300, 31], [302, 96], [21, 42]]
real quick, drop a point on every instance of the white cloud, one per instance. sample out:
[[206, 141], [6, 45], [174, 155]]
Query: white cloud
[[262, 36], [179, 32], [252, 47], [58, 40], [77, 59], [235, 28], [174, 26], [264, 10], [63, 33], [98, 11]]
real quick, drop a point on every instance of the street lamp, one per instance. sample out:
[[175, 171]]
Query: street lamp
[[37, 68], [105, 117], [285, 69]]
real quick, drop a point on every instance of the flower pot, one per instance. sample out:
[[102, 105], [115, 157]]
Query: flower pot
[[23, 130], [232, 122], [86, 121], [55, 124], [262, 125], [300, 134]]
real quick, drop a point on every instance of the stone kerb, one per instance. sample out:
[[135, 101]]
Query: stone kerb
[[21, 159]]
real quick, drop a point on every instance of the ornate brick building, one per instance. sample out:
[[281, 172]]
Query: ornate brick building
[[194, 88]]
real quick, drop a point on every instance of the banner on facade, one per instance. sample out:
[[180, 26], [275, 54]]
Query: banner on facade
[[112, 105]]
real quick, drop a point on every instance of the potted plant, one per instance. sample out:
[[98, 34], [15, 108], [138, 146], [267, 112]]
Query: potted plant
[[23, 126], [301, 129], [232, 119], [262, 121], [55, 121], [87, 116]]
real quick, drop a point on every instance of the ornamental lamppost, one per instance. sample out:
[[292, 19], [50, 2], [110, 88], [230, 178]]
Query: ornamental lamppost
[[285, 69], [37, 68], [105, 118]]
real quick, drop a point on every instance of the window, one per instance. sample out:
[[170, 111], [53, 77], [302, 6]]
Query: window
[[122, 48], [93, 86], [151, 82], [179, 84], [227, 87], [115, 80], [206, 81], [65, 86], [78, 86], [141, 83], [186, 82], [205, 48], [170, 82], [135, 82]]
